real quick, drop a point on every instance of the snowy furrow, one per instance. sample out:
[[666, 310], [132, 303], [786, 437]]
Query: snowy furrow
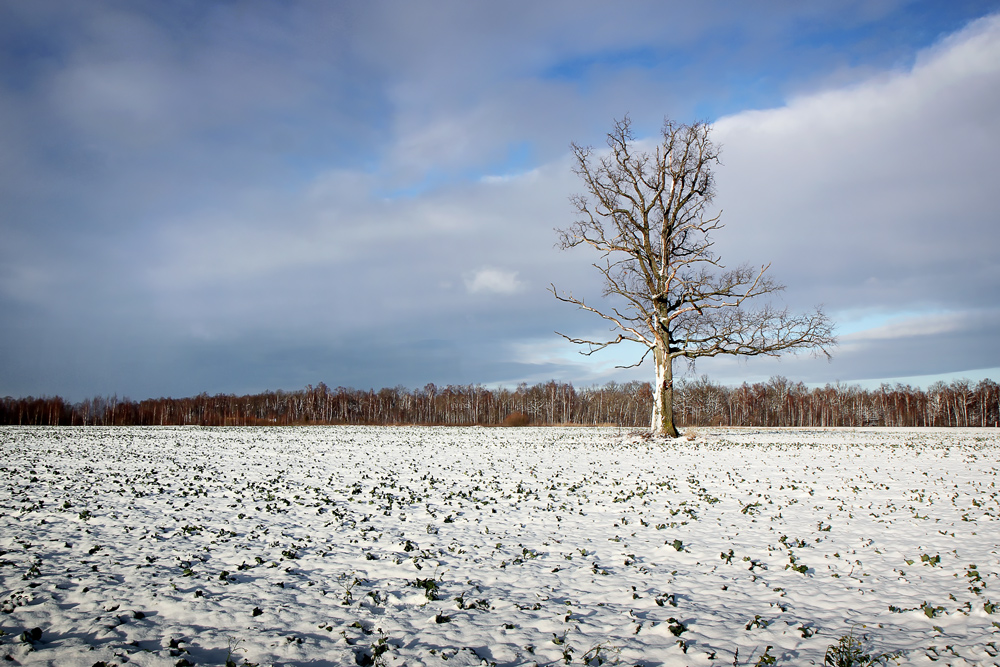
[[451, 546]]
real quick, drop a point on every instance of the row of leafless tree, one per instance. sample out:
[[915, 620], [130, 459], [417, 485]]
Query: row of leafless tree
[[548, 403], [777, 402]]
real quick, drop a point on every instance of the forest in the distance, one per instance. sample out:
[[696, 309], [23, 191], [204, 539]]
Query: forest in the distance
[[698, 402]]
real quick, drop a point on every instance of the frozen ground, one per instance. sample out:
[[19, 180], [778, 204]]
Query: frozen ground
[[469, 546]]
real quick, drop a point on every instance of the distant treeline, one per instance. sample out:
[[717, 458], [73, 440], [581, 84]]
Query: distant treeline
[[777, 402]]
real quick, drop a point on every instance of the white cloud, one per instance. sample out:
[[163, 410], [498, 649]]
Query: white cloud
[[493, 280], [878, 193], [925, 325], [531, 174]]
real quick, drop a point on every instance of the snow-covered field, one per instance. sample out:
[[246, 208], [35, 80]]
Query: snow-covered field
[[459, 546]]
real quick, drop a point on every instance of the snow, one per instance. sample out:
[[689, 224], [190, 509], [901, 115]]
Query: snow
[[469, 546]]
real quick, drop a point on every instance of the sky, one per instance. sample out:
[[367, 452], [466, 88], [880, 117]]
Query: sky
[[233, 197]]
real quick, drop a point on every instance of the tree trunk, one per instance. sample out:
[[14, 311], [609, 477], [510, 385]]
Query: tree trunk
[[663, 395]]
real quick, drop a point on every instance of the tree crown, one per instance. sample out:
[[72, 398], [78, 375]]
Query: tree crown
[[647, 212]]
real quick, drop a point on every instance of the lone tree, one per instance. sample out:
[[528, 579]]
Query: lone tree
[[647, 214]]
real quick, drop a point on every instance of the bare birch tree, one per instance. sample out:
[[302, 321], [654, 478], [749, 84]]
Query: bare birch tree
[[648, 215]]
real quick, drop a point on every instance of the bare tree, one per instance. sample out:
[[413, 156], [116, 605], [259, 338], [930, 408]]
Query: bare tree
[[647, 214]]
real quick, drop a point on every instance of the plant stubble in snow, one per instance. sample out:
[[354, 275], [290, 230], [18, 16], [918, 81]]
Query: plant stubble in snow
[[452, 546]]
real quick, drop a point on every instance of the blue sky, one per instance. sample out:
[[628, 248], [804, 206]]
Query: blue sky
[[241, 196]]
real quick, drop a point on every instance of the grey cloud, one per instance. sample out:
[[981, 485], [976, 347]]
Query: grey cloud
[[229, 198]]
